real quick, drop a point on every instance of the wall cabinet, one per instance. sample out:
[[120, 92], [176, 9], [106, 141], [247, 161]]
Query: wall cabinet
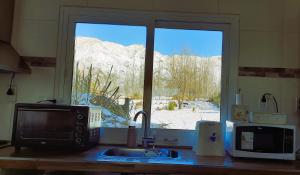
[[6, 19]]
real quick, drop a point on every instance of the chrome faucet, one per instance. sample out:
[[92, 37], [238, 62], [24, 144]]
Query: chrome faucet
[[146, 140]]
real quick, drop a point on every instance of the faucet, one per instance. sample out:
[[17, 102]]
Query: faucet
[[146, 139]]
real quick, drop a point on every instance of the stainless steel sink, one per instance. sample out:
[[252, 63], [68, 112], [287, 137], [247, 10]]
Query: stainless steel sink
[[140, 153]]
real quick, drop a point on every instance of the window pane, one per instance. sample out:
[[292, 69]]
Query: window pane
[[109, 70], [186, 78]]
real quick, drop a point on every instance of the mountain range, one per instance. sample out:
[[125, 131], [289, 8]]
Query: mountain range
[[103, 54]]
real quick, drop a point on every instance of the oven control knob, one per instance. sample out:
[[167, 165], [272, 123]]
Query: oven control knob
[[79, 116], [78, 140]]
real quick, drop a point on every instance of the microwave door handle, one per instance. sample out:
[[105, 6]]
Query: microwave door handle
[[45, 109]]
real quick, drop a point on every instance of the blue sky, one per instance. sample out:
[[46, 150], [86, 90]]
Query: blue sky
[[167, 41]]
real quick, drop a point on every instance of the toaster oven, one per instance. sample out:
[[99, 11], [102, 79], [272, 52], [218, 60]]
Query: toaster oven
[[55, 126]]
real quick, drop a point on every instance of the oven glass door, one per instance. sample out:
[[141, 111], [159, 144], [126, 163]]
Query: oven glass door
[[52, 124], [262, 139]]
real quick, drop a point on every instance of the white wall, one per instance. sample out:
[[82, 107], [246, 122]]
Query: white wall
[[269, 37], [30, 88]]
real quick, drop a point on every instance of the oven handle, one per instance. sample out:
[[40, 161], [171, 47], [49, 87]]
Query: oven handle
[[44, 109]]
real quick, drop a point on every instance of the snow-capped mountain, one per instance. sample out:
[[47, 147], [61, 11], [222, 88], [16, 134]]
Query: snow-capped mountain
[[103, 54]]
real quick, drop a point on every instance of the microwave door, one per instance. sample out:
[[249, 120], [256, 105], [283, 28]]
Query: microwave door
[[269, 140], [260, 139]]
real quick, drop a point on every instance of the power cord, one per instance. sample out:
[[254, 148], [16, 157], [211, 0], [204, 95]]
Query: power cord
[[10, 90], [267, 96]]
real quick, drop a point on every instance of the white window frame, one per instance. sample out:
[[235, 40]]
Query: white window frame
[[228, 24]]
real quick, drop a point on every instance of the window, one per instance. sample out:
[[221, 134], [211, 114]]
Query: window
[[160, 69], [108, 71], [186, 78]]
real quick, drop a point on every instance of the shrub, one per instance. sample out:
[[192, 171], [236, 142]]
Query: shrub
[[172, 105]]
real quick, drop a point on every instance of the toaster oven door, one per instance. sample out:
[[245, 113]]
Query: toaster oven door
[[45, 126], [264, 139]]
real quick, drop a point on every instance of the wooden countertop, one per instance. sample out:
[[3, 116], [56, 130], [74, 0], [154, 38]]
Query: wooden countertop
[[188, 163]]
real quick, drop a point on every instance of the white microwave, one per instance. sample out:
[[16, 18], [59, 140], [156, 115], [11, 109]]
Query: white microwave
[[265, 141]]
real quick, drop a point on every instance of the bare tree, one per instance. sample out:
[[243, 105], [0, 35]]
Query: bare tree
[[192, 77]]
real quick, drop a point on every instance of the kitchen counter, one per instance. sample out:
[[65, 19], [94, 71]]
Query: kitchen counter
[[187, 163]]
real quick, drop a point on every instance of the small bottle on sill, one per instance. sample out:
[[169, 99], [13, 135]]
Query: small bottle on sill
[[131, 137]]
